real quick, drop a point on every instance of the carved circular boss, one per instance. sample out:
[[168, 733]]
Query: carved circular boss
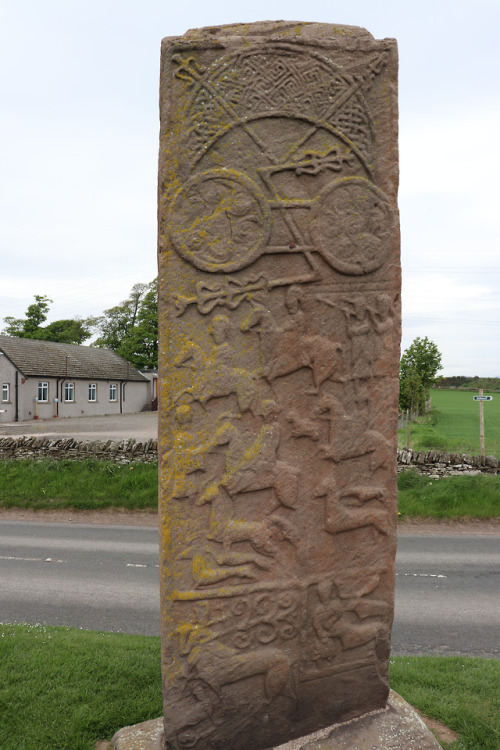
[[221, 222]]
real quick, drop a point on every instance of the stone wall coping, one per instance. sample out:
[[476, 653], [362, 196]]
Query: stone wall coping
[[431, 461], [437, 462], [119, 451]]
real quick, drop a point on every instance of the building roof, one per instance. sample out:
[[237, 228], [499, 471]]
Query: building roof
[[52, 360]]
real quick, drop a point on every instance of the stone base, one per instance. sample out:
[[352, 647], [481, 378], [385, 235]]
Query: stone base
[[145, 736], [397, 727]]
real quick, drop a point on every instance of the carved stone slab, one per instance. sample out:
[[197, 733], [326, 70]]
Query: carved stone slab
[[280, 328], [399, 727], [396, 727]]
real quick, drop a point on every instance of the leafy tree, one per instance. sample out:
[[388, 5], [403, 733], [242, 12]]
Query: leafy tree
[[412, 393], [117, 322], [452, 381], [418, 369], [13, 326], [131, 328], [36, 314], [29, 326], [67, 331]]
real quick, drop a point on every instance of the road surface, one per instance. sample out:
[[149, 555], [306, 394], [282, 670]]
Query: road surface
[[85, 576], [142, 426], [106, 578], [447, 595]]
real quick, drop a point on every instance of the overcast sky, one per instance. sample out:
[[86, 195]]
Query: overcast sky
[[78, 154]]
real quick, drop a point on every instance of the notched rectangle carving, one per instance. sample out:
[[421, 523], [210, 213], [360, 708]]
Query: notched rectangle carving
[[279, 352]]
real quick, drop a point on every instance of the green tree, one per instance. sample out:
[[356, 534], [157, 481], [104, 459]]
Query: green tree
[[411, 393], [116, 323], [28, 326], [419, 366], [13, 326], [67, 331], [36, 314], [131, 328]]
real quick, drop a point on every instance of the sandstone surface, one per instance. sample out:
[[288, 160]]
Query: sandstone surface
[[279, 352]]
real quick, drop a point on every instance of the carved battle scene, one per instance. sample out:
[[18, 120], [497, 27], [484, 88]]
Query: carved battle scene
[[280, 321]]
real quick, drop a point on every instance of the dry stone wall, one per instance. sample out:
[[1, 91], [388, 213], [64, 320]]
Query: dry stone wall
[[436, 463], [124, 451], [118, 451]]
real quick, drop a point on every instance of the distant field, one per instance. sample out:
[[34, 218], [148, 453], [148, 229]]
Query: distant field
[[453, 424]]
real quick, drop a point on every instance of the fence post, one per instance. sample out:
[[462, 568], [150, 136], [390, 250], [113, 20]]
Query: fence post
[[481, 423]]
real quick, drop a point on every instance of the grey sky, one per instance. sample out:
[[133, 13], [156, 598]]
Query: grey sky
[[78, 154]]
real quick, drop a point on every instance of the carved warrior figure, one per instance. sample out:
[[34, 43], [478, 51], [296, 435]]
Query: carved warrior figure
[[279, 340]]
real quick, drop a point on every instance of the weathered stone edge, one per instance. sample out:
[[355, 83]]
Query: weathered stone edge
[[398, 727]]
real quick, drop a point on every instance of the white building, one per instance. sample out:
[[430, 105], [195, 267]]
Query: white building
[[43, 379]]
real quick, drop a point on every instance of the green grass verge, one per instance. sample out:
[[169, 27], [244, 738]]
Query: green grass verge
[[97, 485], [64, 689], [453, 425], [461, 692], [88, 485], [448, 497]]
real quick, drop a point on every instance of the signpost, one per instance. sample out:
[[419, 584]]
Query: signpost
[[481, 400]]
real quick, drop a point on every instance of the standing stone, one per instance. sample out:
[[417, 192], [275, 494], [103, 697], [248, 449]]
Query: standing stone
[[280, 328]]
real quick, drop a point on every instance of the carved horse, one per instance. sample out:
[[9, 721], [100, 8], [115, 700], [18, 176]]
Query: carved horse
[[350, 437], [291, 349], [215, 377]]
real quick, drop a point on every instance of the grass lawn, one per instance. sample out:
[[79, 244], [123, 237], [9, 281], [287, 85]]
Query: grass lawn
[[448, 497], [461, 692], [453, 424], [85, 485], [96, 485], [65, 689]]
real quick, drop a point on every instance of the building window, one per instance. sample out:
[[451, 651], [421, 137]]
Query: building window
[[43, 392], [5, 392], [69, 391], [92, 392], [112, 391]]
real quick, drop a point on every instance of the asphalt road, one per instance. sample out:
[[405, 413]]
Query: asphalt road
[[447, 595], [85, 576], [106, 578], [142, 426]]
